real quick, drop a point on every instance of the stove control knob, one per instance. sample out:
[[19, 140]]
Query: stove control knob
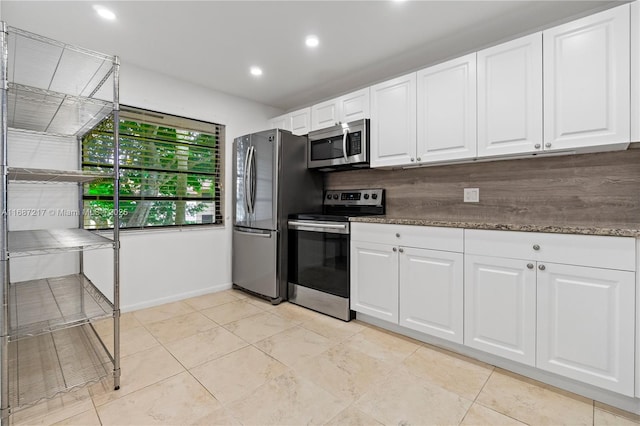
[[335, 196], [374, 196], [328, 196], [366, 196]]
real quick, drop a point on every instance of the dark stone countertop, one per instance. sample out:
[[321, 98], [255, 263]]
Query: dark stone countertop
[[627, 230]]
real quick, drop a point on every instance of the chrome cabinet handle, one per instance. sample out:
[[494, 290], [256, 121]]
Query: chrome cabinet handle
[[397, 235], [536, 247], [418, 159], [542, 267], [413, 159], [537, 146], [401, 250], [548, 144], [395, 249], [530, 265]]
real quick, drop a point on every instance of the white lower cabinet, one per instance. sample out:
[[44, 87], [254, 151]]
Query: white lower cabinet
[[431, 292], [500, 307], [562, 303], [409, 275], [374, 280], [586, 325]]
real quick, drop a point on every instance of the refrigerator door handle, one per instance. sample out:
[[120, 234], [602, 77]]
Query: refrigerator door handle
[[254, 180], [250, 179], [246, 180]]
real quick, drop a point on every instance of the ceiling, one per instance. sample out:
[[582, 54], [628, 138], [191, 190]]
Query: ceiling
[[214, 43]]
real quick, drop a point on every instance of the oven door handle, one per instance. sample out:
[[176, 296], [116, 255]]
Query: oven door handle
[[341, 228]]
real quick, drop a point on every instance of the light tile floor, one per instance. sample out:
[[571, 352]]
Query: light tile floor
[[231, 359]]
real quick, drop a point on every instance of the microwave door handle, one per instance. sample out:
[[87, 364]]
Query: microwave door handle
[[345, 132]]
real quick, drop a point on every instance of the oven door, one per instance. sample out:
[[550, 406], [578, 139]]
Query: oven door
[[319, 256]]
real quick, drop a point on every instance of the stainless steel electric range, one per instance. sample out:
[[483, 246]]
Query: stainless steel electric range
[[319, 252]]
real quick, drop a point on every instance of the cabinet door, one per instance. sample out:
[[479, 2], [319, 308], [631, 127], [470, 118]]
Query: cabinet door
[[586, 81], [301, 121], [431, 292], [280, 122], [325, 114], [500, 307], [393, 122], [354, 106], [586, 322], [510, 97], [374, 280], [447, 110]]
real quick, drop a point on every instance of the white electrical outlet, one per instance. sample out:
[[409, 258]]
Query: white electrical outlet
[[472, 195]]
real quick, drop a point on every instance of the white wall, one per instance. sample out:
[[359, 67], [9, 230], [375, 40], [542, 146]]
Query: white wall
[[159, 266]]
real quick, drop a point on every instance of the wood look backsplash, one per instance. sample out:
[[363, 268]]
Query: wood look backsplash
[[588, 189]]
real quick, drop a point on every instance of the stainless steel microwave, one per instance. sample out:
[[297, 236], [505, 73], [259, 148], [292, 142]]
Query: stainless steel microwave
[[343, 146]]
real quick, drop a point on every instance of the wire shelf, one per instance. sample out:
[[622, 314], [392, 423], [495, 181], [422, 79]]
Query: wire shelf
[[54, 176], [40, 110], [42, 367], [48, 241], [58, 66], [45, 305], [50, 345]]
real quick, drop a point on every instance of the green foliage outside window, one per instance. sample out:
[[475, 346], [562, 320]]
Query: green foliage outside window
[[168, 175]]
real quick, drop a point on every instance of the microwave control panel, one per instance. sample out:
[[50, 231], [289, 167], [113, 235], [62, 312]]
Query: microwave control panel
[[355, 143]]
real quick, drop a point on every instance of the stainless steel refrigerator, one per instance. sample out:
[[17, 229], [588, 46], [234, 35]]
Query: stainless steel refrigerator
[[271, 181]]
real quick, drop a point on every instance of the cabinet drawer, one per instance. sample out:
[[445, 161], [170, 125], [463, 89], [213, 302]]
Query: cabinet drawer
[[426, 237], [584, 250]]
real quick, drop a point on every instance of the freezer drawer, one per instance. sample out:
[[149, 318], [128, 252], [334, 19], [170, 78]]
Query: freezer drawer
[[255, 260]]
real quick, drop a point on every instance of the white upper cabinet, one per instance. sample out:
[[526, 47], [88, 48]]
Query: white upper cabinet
[[281, 122], [301, 121], [510, 97], [447, 111], [393, 122], [354, 106], [297, 122], [587, 81], [635, 82]]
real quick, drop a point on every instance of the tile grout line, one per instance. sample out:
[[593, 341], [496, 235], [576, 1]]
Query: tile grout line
[[475, 401], [143, 325]]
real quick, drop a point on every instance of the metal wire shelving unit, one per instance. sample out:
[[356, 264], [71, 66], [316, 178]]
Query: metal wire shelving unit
[[47, 343]]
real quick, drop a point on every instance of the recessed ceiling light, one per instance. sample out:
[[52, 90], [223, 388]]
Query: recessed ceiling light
[[256, 71], [312, 41], [104, 12]]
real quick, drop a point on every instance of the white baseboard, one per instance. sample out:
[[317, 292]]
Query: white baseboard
[[175, 297]]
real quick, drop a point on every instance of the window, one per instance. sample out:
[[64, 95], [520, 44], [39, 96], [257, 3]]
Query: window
[[170, 168]]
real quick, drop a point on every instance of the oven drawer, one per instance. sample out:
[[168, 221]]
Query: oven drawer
[[426, 237]]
